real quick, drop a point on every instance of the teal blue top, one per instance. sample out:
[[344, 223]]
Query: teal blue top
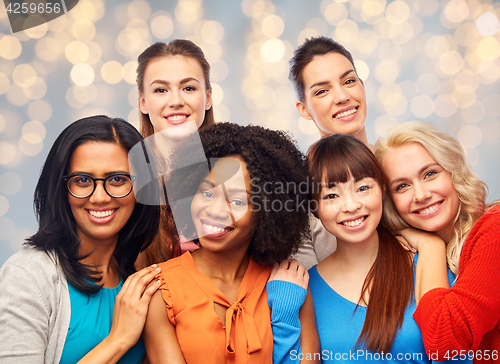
[[90, 323]]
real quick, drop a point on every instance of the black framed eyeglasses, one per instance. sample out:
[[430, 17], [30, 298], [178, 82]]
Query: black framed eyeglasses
[[83, 185]]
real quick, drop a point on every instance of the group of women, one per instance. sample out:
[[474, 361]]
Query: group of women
[[185, 259]]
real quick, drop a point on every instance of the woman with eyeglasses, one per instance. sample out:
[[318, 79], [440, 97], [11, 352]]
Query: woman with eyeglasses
[[72, 293]]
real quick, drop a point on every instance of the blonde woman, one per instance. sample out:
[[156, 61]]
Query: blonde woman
[[434, 190]]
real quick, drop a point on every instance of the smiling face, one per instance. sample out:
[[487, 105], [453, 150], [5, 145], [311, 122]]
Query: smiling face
[[352, 210], [222, 215], [100, 217], [334, 96], [175, 95], [421, 189]]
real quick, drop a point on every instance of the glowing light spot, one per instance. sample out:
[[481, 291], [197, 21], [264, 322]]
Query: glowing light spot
[[7, 153], [35, 32], [77, 52], [33, 132], [112, 72], [263, 97], [397, 12], [24, 75], [487, 24], [83, 30], [16, 96], [217, 94], [374, 7], [395, 104], [427, 84], [488, 49], [489, 71], [386, 72], [383, 123], [188, 11], [36, 90], [213, 51], [474, 113], [362, 69], [451, 63], [436, 46], [129, 72], [346, 31], [422, 106], [222, 113], [210, 31], [2, 123], [470, 136], [162, 26], [28, 148], [445, 106], [456, 11], [40, 110], [272, 50], [307, 33], [4, 205], [272, 26], [466, 34], [82, 74], [335, 13], [218, 70], [10, 183], [139, 9], [307, 126], [10, 47], [4, 83], [133, 118]]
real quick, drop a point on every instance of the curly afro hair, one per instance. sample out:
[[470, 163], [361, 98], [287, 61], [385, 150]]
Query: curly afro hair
[[278, 184]]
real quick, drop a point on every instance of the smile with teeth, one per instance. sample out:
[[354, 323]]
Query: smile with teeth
[[345, 113], [354, 223], [101, 214], [176, 117], [429, 209], [216, 228]]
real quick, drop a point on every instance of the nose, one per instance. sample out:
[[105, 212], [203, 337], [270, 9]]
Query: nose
[[218, 208], [340, 95], [420, 193], [100, 195], [350, 203], [175, 99]]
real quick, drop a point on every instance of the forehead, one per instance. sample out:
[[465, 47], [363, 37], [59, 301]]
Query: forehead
[[232, 171], [406, 161], [98, 157], [326, 67], [171, 68]]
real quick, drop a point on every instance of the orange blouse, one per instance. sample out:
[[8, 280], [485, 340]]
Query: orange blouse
[[190, 297]]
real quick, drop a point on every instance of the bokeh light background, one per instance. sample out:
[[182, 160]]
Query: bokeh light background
[[431, 60]]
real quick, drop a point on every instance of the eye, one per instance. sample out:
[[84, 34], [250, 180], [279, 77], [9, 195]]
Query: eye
[[118, 179], [349, 81], [319, 92], [206, 194], [330, 196], [238, 203], [190, 88], [401, 187], [430, 174], [363, 188], [160, 90], [82, 180]]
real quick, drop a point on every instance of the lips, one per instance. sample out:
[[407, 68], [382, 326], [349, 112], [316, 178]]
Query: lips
[[176, 119], [346, 112], [429, 209], [101, 216], [355, 223], [214, 230]]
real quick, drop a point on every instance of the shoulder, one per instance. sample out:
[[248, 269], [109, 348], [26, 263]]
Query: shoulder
[[488, 224]]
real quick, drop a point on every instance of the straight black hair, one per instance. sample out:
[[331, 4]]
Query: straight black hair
[[57, 227]]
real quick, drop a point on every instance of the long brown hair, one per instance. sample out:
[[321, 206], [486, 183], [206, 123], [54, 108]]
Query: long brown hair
[[177, 47], [166, 243], [335, 159]]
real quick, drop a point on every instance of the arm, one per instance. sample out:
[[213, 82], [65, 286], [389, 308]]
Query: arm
[[159, 334], [431, 269], [25, 311], [129, 316], [464, 313], [286, 293]]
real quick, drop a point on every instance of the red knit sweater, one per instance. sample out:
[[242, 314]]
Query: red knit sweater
[[467, 316]]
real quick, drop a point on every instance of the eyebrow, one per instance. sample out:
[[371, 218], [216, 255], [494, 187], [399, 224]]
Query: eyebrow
[[210, 183], [419, 172], [183, 81], [105, 174], [321, 83]]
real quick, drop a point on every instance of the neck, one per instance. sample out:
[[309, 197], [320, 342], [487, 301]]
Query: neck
[[361, 136], [357, 255], [101, 259], [227, 267]]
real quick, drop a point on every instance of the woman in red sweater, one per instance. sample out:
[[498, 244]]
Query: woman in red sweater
[[435, 192]]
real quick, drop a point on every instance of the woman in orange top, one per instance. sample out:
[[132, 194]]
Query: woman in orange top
[[246, 210]]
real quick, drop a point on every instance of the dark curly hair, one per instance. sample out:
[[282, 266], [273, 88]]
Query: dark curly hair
[[278, 188]]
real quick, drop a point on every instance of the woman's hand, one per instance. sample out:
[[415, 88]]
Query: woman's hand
[[129, 317], [415, 240], [292, 272]]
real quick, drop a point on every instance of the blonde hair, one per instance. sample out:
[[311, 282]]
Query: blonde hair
[[450, 154]]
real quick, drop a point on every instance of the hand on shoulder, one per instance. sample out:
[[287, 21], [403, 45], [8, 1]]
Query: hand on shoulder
[[292, 272]]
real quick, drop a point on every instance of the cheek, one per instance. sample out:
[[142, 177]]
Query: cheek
[[401, 202]]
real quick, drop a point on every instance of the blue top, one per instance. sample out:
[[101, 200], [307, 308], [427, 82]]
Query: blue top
[[90, 323], [339, 326]]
